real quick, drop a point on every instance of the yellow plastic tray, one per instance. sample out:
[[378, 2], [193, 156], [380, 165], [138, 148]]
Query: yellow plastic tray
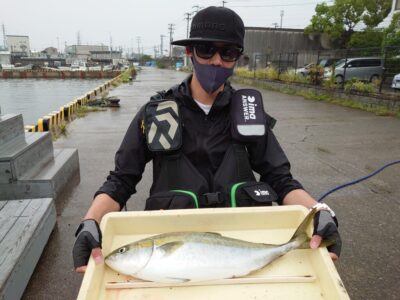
[[272, 225]]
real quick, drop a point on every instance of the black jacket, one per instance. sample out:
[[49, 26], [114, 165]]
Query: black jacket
[[206, 139]]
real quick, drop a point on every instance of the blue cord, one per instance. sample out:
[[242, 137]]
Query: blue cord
[[357, 180]]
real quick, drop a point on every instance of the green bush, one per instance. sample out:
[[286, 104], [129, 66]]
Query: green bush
[[243, 72], [271, 73], [360, 86], [292, 76], [316, 74], [160, 65], [267, 73]]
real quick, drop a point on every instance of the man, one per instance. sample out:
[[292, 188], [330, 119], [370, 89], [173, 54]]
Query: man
[[198, 161]]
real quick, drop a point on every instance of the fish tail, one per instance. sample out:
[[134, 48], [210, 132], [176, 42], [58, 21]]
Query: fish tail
[[301, 233]]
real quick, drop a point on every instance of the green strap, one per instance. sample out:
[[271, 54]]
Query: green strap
[[233, 192], [193, 195]]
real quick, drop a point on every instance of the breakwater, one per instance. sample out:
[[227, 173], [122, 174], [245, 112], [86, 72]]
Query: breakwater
[[57, 74], [67, 112]]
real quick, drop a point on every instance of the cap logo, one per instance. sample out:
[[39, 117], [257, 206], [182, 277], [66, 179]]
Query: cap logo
[[208, 25]]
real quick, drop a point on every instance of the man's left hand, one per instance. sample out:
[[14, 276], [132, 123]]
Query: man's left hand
[[326, 228]]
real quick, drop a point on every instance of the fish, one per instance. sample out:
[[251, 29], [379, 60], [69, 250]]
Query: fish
[[178, 257]]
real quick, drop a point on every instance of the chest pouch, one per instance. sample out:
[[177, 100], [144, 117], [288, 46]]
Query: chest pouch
[[162, 124], [252, 194], [248, 119]]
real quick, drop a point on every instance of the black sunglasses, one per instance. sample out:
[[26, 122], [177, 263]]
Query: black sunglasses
[[227, 53]]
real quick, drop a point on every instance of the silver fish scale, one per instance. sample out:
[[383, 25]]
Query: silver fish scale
[[199, 259]]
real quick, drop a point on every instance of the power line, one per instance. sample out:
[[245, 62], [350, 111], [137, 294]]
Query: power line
[[278, 5], [197, 8]]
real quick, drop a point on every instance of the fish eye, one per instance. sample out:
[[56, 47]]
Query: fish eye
[[122, 250]]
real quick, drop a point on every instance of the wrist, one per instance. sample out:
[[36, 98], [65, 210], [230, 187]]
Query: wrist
[[324, 206]]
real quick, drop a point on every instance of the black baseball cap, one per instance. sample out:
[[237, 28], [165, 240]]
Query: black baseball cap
[[215, 24]]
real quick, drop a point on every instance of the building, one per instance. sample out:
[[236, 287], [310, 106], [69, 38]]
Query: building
[[105, 56], [50, 52], [75, 53], [396, 5], [38, 61], [264, 45], [5, 58], [18, 45]]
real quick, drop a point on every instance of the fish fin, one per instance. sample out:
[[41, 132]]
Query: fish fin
[[216, 233], [301, 232], [171, 247], [178, 280]]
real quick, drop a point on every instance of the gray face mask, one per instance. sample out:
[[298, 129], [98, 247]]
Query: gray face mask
[[211, 77]]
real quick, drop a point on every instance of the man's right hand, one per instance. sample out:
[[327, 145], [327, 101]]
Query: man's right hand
[[88, 241]]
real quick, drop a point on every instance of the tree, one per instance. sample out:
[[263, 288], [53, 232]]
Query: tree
[[392, 32], [146, 57], [340, 19], [376, 11], [369, 38]]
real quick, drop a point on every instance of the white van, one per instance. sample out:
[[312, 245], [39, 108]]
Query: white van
[[362, 68]]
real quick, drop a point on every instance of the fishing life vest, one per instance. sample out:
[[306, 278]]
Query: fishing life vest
[[179, 184]]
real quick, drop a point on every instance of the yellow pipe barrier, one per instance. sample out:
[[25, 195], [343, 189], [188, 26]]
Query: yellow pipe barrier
[[66, 112], [57, 118], [47, 124], [53, 118], [40, 125], [62, 114], [29, 128]]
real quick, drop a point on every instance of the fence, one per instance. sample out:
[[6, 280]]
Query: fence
[[282, 62]]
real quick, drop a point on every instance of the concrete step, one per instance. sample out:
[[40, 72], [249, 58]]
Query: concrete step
[[25, 227], [23, 153], [48, 180], [11, 126]]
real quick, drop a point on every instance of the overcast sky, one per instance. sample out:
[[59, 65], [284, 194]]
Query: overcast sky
[[54, 22]]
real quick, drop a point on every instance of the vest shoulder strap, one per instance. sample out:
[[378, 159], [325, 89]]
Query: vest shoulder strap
[[165, 94]]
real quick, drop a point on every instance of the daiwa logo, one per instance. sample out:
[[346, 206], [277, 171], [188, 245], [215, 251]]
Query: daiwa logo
[[261, 193], [249, 107]]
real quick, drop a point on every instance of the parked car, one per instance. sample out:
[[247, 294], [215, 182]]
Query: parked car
[[362, 68], [396, 82], [304, 70], [325, 63]]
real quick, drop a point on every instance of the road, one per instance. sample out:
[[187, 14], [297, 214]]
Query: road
[[327, 145]]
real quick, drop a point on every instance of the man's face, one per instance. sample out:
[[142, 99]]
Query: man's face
[[217, 54]]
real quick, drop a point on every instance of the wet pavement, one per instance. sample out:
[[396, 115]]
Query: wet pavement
[[327, 145]]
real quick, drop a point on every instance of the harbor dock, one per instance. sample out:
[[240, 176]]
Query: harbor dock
[[327, 145]]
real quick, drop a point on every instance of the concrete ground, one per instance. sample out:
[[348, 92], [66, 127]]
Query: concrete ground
[[327, 145]]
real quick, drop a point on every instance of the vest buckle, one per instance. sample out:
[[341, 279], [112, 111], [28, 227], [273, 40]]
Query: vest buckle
[[213, 198]]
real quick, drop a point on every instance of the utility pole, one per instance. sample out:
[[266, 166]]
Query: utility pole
[[223, 3], [171, 31], [187, 18], [185, 62], [78, 38], [111, 49], [155, 52], [282, 13], [4, 37], [131, 48], [138, 46], [161, 45]]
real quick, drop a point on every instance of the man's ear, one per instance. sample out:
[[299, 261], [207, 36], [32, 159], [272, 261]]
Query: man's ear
[[189, 50]]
